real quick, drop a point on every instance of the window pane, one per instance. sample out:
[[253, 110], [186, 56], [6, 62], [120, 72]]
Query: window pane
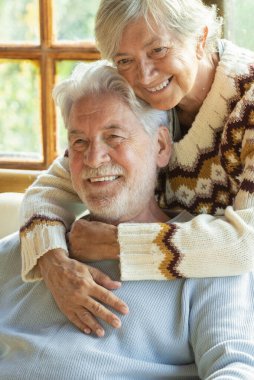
[[239, 22], [63, 70], [74, 20], [19, 21], [20, 128]]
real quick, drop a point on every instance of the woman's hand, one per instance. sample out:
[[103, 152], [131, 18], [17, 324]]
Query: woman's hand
[[93, 241], [77, 288]]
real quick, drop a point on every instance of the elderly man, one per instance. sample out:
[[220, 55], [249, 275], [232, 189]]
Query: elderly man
[[186, 329]]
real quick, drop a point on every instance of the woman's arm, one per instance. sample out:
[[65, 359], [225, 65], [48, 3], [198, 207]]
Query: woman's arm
[[203, 247], [49, 207]]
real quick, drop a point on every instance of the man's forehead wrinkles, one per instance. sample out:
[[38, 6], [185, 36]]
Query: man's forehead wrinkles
[[85, 113], [75, 132], [109, 127]]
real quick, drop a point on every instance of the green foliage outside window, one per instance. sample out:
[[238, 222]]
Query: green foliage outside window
[[239, 22], [75, 19], [18, 21], [19, 108]]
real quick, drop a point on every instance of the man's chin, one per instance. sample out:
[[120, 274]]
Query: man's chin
[[103, 211]]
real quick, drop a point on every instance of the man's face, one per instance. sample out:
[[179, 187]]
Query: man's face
[[112, 159]]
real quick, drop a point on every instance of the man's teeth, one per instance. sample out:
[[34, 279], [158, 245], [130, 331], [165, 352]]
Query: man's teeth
[[102, 179], [160, 87]]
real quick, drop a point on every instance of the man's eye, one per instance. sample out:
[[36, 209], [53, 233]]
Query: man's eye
[[79, 144]]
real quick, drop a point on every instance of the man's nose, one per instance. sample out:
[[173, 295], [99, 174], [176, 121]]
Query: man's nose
[[96, 155], [146, 71]]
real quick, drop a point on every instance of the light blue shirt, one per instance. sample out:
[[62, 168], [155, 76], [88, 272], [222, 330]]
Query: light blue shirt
[[181, 329]]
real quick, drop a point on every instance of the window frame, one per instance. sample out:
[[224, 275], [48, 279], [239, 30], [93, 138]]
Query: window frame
[[47, 53]]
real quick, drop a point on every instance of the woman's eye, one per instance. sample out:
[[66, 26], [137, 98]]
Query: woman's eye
[[159, 51], [115, 139], [124, 63]]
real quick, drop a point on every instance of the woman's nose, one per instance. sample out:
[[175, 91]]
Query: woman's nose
[[96, 155], [146, 71]]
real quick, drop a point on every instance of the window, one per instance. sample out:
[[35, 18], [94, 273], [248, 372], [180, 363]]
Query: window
[[238, 16], [40, 41]]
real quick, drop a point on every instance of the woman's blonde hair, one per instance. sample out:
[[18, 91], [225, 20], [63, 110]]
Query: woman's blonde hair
[[186, 18]]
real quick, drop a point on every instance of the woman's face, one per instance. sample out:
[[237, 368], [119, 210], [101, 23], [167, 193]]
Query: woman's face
[[161, 69]]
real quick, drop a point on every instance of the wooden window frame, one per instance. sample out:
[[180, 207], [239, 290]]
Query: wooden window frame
[[47, 53]]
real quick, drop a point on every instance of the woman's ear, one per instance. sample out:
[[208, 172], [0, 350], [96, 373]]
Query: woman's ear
[[164, 147], [201, 43]]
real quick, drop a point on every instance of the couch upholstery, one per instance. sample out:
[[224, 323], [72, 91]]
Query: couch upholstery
[[9, 212]]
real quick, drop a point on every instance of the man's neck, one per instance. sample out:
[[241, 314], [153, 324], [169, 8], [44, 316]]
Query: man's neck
[[151, 214]]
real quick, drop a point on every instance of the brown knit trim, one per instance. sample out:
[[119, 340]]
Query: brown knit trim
[[39, 220], [247, 186], [172, 255]]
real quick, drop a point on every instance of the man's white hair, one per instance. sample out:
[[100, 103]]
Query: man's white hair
[[99, 78]]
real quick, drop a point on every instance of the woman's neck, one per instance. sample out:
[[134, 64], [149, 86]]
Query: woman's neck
[[189, 107]]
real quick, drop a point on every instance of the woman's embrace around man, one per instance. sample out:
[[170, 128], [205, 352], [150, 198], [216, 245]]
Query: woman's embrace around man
[[171, 53]]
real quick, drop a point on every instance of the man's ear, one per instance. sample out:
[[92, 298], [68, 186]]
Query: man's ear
[[163, 147], [201, 43]]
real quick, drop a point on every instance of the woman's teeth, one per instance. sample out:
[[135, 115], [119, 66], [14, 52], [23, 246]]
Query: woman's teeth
[[102, 179], [160, 87]]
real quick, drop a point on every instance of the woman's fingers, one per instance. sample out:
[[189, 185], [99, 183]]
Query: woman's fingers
[[86, 322], [104, 280], [108, 298], [100, 311], [74, 318]]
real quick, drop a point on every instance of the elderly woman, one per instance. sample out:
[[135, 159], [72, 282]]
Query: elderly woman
[[171, 54]]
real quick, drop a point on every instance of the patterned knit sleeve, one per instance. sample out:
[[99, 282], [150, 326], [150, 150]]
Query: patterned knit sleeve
[[50, 205], [206, 246]]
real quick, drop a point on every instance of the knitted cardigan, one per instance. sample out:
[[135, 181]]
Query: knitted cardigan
[[211, 174]]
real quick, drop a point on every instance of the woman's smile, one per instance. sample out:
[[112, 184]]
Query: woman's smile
[[159, 87]]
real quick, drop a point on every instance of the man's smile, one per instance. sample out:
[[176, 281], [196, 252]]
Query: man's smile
[[103, 179]]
